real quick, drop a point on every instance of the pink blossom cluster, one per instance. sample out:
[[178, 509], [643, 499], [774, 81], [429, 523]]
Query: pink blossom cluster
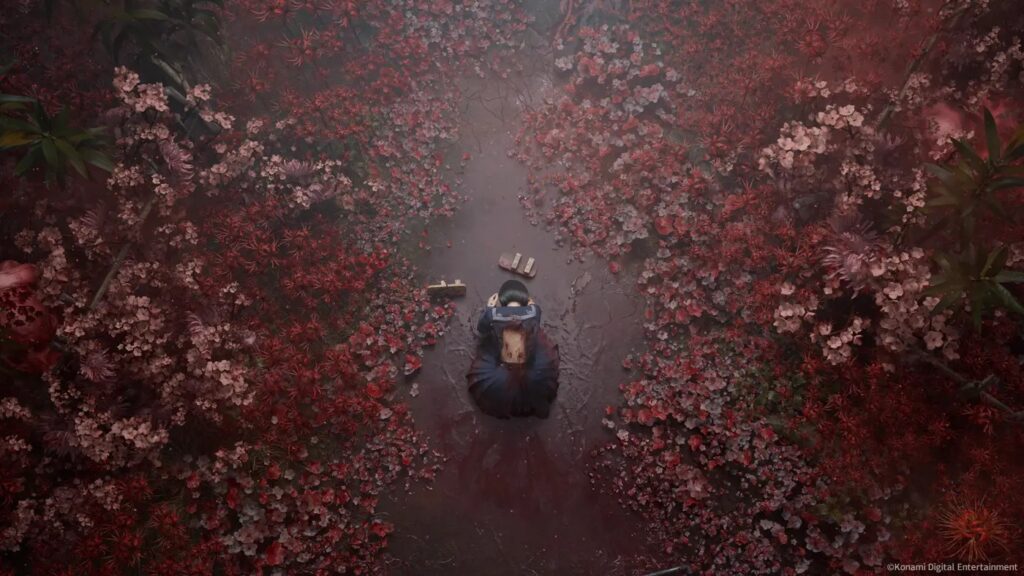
[[140, 97], [761, 208], [209, 292], [725, 488]]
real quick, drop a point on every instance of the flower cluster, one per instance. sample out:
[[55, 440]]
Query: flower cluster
[[242, 288], [785, 222]]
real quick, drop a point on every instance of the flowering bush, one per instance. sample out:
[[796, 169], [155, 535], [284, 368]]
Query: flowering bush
[[203, 347], [177, 340], [789, 219], [221, 323]]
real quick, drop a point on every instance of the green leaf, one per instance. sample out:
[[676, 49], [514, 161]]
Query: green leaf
[[98, 159], [992, 137], [945, 288], [78, 138], [970, 156], [995, 207], [976, 298], [27, 162], [973, 257], [19, 125], [148, 14], [1015, 147], [74, 158], [50, 153], [1002, 183], [41, 117], [947, 301], [968, 224], [15, 99], [60, 123], [995, 262], [942, 201], [1015, 153], [943, 174], [15, 139], [1009, 276], [1007, 299], [114, 47]]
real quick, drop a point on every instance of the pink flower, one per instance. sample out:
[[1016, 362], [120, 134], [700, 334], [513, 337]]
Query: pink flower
[[14, 275], [97, 367], [933, 339]]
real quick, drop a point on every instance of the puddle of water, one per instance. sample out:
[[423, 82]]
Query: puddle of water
[[514, 497]]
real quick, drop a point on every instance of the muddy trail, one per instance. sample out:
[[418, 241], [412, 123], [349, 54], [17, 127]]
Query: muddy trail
[[514, 496]]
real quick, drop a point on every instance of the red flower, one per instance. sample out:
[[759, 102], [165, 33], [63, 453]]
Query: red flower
[[681, 226], [373, 390], [381, 529], [412, 364], [273, 471], [274, 556], [232, 497], [663, 224], [650, 70], [694, 442]]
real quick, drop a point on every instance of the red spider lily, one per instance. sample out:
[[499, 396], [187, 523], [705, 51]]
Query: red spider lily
[[973, 531], [303, 49], [265, 10]]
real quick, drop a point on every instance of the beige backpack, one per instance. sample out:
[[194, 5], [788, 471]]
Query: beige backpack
[[513, 345]]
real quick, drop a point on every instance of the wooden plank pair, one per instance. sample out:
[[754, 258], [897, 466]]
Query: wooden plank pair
[[454, 290], [516, 263]]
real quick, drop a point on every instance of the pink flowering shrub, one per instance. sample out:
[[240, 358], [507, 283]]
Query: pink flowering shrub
[[230, 312], [783, 218], [202, 347], [722, 490]]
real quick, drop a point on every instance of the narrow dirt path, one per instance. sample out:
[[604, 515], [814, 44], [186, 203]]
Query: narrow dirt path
[[514, 497]]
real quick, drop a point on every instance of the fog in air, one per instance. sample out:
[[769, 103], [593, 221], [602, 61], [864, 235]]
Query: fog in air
[[511, 287]]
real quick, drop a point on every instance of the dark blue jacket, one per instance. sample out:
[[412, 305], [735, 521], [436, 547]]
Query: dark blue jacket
[[504, 390]]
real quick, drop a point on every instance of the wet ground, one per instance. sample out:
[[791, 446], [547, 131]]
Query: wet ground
[[514, 497]]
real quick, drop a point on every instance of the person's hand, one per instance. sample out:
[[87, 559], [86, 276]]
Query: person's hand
[[493, 300], [529, 302]]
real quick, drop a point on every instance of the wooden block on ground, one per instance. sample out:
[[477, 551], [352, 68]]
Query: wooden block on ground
[[528, 269], [518, 264], [505, 261], [443, 289]]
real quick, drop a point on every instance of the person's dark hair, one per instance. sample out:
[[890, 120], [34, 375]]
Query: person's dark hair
[[513, 291]]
